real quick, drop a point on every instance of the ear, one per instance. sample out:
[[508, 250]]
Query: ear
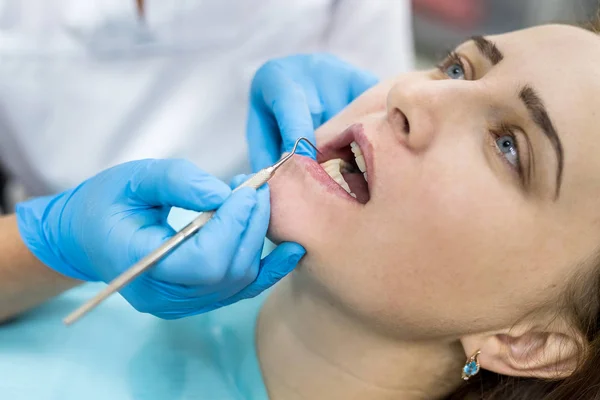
[[549, 353]]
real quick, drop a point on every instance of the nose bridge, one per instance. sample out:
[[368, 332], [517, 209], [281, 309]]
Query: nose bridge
[[423, 105]]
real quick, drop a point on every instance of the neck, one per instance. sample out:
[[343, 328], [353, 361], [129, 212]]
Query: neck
[[310, 350]]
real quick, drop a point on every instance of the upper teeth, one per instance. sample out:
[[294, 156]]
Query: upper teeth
[[337, 166], [360, 159]]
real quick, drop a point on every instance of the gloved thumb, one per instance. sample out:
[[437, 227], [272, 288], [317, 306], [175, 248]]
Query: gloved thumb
[[176, 183], [295, 119]]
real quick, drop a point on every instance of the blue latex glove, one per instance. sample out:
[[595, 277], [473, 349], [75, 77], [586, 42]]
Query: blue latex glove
[[105, 225], [292, 96]]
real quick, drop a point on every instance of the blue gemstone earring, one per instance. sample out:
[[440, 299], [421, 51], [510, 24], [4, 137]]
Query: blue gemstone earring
[[471, 367]]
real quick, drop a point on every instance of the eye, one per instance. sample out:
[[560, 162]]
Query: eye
[[508, 148], [455, 71], [453, 66]]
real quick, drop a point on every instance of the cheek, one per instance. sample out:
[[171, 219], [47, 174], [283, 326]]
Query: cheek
[[435, 242], [446, 196]]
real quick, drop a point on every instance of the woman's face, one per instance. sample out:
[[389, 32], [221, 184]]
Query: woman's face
[[483, 187]]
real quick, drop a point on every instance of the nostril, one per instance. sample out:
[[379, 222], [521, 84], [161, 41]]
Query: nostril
[[399, 121], [406, 124]]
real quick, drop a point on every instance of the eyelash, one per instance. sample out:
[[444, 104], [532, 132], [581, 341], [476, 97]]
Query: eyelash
[[504, 129], [451, 58]]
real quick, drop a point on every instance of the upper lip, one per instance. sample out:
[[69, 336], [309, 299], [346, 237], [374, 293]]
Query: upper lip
[[339, 147]]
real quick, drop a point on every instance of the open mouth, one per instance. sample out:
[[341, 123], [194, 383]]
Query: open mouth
[[345, 162]]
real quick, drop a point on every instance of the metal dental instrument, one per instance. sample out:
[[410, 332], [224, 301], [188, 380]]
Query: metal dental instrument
[[256, 181]]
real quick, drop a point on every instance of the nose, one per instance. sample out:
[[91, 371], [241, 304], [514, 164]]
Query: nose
[[415, 108]]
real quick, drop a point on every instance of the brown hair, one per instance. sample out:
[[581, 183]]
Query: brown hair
[[582, 303]]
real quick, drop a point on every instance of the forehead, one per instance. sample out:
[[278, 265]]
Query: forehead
[[554, 58], [562, 63]]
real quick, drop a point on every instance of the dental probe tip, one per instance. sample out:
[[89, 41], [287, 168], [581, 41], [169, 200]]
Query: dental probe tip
[[307, 141], [275, 166]]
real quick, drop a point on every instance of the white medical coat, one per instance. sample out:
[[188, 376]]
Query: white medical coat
[[85, 85]]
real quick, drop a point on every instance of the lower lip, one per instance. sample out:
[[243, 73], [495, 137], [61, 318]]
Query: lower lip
[[329, 150], [318, 173]]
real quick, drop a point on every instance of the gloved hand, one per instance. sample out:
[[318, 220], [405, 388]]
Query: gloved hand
[[292, 96], [105, 225]]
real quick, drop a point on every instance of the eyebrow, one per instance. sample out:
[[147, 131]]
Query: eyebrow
[[533, 103], [488, 49], [539, 115]]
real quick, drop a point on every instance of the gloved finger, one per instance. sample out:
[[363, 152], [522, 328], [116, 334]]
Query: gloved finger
[[246, 261], [204, 260], [357, 80], [238, 180], [232, 294], [167, 300], [149, 298], [288, 104], [142, 242], [274, 267], [264, 141], [342, 89], [335, 99], [361, 81], [183, 308], [334, 85], [294, 120], [245, 264], [176, 183]]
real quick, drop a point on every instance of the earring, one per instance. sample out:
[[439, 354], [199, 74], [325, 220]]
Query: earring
[[471, 367]]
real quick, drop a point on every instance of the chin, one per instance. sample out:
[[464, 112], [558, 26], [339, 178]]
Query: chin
[[290, 216]]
